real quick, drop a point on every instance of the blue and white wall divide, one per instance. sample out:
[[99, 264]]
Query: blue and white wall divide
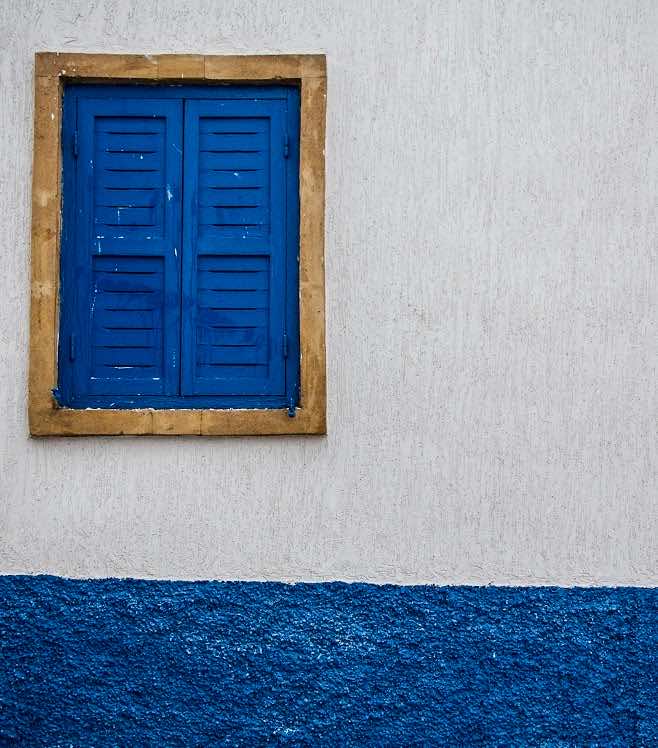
[[470, 556]]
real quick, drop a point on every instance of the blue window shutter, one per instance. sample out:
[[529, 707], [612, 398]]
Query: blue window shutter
[[234, 248], [179, 281], [124, 278]]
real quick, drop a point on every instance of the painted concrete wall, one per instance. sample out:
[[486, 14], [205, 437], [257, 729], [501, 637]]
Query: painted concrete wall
[[159, 663], [492, 309]]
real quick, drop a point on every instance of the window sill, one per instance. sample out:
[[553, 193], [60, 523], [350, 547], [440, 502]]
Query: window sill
[[146, 421]]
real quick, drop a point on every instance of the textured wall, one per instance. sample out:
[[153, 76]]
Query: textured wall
[[492, 309], [114, 663]]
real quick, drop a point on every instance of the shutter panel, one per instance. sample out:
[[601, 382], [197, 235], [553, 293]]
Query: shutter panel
[[234, 240], [127, 276]]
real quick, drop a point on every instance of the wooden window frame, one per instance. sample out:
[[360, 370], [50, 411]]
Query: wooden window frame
[[52, 71]]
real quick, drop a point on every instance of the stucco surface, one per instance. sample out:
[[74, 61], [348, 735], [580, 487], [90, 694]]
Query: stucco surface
[[492, 312], [125, 662]]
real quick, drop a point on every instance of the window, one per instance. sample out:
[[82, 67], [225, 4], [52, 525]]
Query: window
[[190, 272], [179, 253]]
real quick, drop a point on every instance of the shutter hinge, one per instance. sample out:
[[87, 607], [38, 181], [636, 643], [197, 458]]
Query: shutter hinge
[[75, 144], [72, 346], [292, 402], [285, 345], [286, 146], [57, 395]]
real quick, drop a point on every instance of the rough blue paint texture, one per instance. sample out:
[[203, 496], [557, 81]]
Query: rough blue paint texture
[[137, 663]]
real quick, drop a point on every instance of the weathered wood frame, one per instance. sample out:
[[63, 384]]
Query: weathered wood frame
[[51, 71]]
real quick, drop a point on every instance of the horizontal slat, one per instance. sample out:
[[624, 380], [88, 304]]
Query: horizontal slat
[[233, 318], [128, 301], [124, 125], [208, 354], [109, 381], [231, 336], [131, 319], [226, 198], [233, 141], [232, 216], [137, 357], [130, 179], [117, 373], [142, 240], [132, 198], [128, 161], [128, 142], [249, 238], [234, 160], [233, 262], [233, 299], [127, 338], [127, 283], [232, 178], [128, 265], [221, 371], [226, 125], [232, 280], [125, 216]]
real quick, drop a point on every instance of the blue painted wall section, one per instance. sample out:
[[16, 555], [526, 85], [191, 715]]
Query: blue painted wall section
[[125, 662]]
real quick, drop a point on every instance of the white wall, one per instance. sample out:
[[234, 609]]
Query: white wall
[[492, 309]]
